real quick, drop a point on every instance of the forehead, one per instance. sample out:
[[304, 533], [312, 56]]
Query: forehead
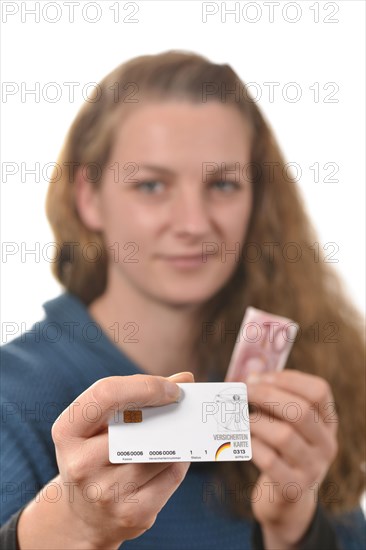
[[172, 129]]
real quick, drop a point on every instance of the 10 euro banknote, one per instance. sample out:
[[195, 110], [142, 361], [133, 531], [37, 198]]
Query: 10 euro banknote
[[263, 345]]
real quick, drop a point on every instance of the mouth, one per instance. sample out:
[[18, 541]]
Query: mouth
[[186, 262]]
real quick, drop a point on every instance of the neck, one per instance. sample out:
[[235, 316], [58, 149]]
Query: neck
[[157, 336]]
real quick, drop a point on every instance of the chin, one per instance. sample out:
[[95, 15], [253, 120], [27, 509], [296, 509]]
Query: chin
[[188, 296]]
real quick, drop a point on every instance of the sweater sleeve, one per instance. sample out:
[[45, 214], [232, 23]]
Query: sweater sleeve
[[23, 454], [342, 532], [8, 532], [26, 459], [30, 399]]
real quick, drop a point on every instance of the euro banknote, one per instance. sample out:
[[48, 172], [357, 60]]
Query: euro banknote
[[263, 344]]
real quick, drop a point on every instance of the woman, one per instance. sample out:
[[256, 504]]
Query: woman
[[160, 165]]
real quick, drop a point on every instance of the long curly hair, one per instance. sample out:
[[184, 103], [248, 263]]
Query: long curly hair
[[282, 269]]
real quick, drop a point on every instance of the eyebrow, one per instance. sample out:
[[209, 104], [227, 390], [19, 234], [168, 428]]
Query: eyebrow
[[228, 166], [156, 168]]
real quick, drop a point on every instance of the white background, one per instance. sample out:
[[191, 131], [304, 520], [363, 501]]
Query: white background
[[307, 51], [309, 131]]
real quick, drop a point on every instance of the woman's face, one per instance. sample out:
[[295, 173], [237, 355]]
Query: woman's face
[[173, 219]]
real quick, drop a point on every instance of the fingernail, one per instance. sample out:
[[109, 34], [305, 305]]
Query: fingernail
[[179, 373], [173, 391]]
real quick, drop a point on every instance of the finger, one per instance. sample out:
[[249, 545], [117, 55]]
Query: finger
[[277, 403], [309, 387], [87, 465], [283, 438], [90, 412], [270, 462], [181, 377], [92, 454], [288, 443]]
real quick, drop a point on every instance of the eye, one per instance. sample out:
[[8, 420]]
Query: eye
[[149, 187], [225, 185]]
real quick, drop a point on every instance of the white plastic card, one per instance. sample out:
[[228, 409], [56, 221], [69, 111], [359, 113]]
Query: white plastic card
[[209, 423]]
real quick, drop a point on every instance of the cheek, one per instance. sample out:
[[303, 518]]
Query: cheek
[[126, 221], [234, 222]]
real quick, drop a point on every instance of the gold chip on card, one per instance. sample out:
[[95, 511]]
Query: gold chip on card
[[132, 416]]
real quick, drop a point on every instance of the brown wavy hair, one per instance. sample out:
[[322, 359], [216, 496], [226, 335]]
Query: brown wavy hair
[[303, 287]]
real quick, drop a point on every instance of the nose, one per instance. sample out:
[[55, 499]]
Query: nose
[[190, 212]]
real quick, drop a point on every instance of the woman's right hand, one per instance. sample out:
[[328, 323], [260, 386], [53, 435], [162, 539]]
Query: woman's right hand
[[127, 497]]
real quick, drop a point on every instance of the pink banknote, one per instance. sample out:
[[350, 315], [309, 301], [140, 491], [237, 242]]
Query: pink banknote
[[263, 344]]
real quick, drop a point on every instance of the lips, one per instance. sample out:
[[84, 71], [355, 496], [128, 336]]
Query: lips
[[185, 262], [190, 257]]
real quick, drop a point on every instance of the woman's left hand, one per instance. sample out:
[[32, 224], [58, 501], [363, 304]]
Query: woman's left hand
[[294, 442]]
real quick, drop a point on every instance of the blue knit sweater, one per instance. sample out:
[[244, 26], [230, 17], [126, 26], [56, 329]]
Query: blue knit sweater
[[42, 372]]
